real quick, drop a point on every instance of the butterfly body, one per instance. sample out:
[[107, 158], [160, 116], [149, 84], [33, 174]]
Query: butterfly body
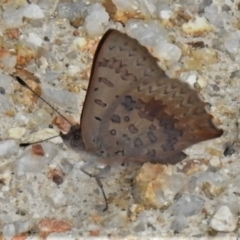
[[133, 111]]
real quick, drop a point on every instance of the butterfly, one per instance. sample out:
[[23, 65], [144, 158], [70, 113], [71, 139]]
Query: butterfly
[[134, 111]]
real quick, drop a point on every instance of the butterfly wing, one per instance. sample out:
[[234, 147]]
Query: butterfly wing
[[114, 69], [132, 109]]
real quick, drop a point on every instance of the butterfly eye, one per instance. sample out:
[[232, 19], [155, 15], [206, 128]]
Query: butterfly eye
[[76, 141]]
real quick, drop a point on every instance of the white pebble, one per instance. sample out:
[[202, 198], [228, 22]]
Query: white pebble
[[167, 52], [197, 26], [149, 34], [231, 42], [80, 42], [202, 82], [192, 79], [16, 132], [73, 70], [14, 228], [34, 39], [8, 62], [224, 220], [96, 21], [72, 10], [8, 147], [166, 14], [32, 11], [214, 161], [12, 18], [9, 231]]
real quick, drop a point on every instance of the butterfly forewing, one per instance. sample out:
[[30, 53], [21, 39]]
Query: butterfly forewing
[[110, 77]]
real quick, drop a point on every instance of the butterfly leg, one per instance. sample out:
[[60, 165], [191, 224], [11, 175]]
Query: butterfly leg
[[99, 183]]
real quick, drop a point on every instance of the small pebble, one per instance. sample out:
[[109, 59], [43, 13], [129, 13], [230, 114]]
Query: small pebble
[[53, 225], [2, 90], [229, 151], [224, 220], [38, 150], [16, 133]]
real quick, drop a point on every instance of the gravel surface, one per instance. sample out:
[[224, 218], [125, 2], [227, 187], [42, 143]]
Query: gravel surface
[[50, 45]]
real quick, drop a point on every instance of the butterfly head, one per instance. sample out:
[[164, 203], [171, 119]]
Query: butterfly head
[[73, 138]]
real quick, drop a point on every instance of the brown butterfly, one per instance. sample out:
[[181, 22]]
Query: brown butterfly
[[133, 111]]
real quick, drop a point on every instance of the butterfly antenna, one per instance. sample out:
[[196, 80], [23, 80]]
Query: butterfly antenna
[[24, 84], [27, 144]]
